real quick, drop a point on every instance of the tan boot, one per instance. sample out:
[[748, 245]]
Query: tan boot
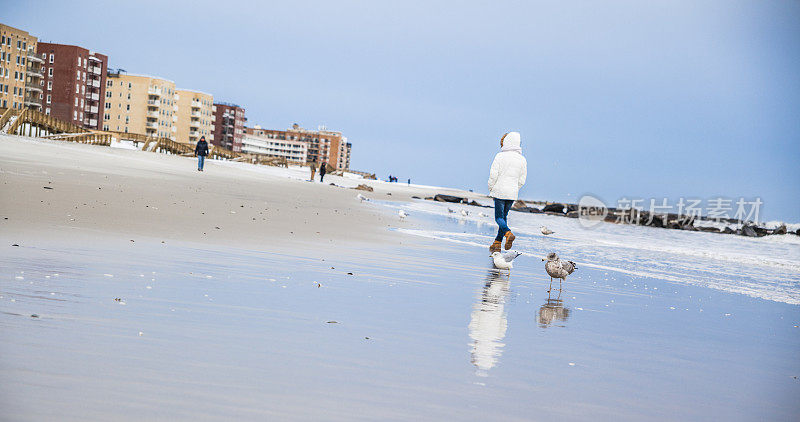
[[509, 239], [495, 247]]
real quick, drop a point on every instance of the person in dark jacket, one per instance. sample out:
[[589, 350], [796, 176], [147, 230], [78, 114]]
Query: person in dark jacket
[[201, 151], [322, 171]]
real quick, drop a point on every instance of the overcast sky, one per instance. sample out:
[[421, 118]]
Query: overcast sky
[[630, 99]]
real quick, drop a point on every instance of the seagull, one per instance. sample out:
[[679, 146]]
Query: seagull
[[402, 214], [556, 268], [464, 213], [480, 214], [361, 197], [546, 231], [502, 261], [450, 210]]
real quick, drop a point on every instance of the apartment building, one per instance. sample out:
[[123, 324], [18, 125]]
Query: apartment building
[[323, 145], [17, 50], [258, 141], [140, 104], [74, 83], [229, 126], [195, 116]]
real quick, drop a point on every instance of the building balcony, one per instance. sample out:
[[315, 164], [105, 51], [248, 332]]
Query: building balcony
[[33, 87], [196, 104], [196, 114], [193, 133], [90, 109], [34, 72], [153, 103], [194, 126], [33, 102], [95, 83], [32, 57], [93, 96], [154, 91], [94, 58], [96, 70], [152, 125], [90, 122], [152, 115]]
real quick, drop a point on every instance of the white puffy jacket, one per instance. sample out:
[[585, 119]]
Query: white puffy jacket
[[509, 170]]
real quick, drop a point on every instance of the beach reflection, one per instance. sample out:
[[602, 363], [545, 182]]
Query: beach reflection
[[553, 311], [488, 323]]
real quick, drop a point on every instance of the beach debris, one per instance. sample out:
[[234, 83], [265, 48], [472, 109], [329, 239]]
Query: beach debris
[[47, 187], [117, 299], [556, 268], [362, 198], [319, 285], [141, 333], [349, 273], [546, 231], [332, 322], [451, 211], [132, 240], [14, 244], [364, 188], [402, 214], [109, 275], [503, 261], [367, 338], [572, 364], [449, 198], [34, 316]]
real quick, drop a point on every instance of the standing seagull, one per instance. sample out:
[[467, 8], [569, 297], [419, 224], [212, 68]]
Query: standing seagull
[[402, 214], [502, 261], [546, 231], [464, 213], [556, 268], [361, 197]]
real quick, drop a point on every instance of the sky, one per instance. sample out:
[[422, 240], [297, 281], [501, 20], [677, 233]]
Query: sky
[[617, 99]]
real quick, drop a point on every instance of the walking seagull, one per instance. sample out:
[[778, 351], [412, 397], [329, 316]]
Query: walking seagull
[[480, 214], [361, 197], [546, 231], [402, 214], [502, 261], [556, 268]]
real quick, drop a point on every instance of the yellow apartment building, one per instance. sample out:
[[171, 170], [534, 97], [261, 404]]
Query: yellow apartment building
[[140, 104], [17, 51], [195, 116]]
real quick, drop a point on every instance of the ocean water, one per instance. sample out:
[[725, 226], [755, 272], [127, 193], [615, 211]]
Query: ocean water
[[766, 268]]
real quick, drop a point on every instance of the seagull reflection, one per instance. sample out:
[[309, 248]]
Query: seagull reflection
[[553, 310], [488, 323]]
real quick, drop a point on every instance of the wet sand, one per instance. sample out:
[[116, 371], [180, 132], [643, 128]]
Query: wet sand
[[374, 326]]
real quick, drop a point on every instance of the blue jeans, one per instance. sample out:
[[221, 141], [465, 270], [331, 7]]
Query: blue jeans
[[501, 209], [200, 161]]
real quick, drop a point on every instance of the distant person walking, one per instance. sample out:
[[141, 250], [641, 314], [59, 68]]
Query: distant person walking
[[313, 168], [322, 171], [201, 151], [506, 176]]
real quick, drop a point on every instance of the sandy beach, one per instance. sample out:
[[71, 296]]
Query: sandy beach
[[133, 287]]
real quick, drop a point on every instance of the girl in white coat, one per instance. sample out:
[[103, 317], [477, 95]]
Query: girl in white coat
[[507, 175]]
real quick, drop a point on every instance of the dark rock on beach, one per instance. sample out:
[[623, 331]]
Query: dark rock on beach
[[554, 208], [449, 198]]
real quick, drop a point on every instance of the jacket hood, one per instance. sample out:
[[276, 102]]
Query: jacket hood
[[511, 140]]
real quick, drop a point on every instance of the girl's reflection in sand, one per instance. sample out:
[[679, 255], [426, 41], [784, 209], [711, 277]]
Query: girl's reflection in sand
[[488, 323]]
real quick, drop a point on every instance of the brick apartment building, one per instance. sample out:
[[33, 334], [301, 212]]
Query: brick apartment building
[[74, 83], [229, 126], [323, 145]]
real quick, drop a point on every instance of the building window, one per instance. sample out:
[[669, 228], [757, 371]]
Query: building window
[[74, 115], [50, 71], [76, 101], [47, 111], [52, 57], [79, 74], [49, 98]]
